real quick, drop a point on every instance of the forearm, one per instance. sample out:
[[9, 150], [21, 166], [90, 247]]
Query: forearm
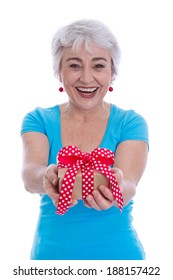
[[32, 175], [129, 191]]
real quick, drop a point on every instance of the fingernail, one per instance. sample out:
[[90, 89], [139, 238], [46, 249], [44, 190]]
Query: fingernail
[[54, 181], [89, 198], [102, 188], [74, 202]]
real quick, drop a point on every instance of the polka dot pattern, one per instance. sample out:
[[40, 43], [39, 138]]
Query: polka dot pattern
[[72, 158]]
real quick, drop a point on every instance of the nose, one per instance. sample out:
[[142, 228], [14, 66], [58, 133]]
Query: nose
[[86, 75]]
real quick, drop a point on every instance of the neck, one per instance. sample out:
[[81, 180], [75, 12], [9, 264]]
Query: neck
[[84, 116]]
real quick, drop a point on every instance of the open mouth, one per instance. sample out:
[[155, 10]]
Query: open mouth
[[87, 92]]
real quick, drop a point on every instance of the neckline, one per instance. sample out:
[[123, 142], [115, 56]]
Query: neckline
[[105, 133]]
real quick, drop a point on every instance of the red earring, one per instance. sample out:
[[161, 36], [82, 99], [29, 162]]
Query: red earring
[[61, 89], [111, 89]]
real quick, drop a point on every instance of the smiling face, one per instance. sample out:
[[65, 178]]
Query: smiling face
[[86, 76]]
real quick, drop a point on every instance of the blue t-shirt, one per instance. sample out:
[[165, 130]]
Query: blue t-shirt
[[83, 233]]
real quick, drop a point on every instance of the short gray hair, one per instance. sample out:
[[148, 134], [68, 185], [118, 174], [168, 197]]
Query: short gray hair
[[87, 32]]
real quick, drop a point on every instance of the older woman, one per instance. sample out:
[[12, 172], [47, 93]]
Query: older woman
[[85, 57]]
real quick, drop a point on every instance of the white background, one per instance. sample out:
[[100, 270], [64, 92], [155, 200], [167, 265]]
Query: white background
[[144, 32]]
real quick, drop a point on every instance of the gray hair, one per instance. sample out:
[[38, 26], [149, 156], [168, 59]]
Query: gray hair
[[87, 32]]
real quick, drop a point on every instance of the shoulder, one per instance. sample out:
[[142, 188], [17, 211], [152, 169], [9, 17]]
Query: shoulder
[[42, 113], [126, 116], [130, 124], [123, 113], [45, 112], [39, 119]]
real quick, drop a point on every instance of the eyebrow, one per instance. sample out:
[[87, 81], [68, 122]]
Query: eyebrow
[[99, 58], [80, 60]]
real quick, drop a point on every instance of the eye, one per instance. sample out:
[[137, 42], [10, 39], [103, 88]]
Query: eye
[[75, 66], [99, 66]]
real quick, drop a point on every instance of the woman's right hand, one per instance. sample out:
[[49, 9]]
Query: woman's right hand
[[50, 183]]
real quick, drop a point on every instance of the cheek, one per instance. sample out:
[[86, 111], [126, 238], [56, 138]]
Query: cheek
[[69, 78], [106, 79], [105, 75]]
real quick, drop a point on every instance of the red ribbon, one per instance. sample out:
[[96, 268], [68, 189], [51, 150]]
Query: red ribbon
[[73, 159]]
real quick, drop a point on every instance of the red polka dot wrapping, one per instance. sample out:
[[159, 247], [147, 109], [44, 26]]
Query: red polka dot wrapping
[[73, 159]]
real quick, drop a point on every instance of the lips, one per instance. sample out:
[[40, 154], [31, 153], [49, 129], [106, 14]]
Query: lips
[[88, 92]]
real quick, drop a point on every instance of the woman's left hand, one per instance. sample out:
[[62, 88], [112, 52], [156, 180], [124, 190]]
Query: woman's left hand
[[103, 199]]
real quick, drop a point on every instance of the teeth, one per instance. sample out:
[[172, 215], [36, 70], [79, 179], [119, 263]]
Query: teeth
[[87, 90]]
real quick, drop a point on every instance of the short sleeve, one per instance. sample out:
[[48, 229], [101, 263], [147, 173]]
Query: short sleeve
[[33, 122], [134, 127]]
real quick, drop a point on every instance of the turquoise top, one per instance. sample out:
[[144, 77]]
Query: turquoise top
[[83, 233]]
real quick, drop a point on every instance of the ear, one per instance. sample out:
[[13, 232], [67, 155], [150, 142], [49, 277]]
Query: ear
[[60, 78], [113, 78]]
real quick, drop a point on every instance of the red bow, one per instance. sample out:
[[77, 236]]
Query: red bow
[[72, 158]]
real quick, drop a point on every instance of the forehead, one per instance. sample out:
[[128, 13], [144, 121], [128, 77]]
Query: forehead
[[91, 52]]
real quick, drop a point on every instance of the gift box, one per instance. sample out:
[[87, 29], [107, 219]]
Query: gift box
[[81, 172], [99, 179]]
